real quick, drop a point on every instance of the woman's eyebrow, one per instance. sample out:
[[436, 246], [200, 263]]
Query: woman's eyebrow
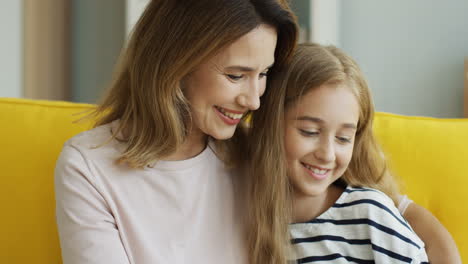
[[239, 68], [243, 68]]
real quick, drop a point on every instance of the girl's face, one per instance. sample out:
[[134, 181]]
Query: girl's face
[[319, 138], [224, 88]]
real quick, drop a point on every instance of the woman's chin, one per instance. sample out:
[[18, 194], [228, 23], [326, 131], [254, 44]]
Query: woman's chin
[[223, 134]]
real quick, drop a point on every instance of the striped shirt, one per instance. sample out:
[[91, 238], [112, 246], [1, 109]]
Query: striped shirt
[[363, 226]]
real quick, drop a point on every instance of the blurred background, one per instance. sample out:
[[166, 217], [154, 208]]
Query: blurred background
[[412, 52]]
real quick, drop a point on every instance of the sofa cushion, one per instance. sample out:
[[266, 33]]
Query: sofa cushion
[[429, 155], [430, 158], [31, 136]]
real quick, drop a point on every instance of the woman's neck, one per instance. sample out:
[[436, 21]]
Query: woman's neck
[[194, 144], [306, 208]]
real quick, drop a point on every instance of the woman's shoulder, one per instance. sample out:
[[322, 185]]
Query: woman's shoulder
[[94, 137], [90, 149], [95, 144]]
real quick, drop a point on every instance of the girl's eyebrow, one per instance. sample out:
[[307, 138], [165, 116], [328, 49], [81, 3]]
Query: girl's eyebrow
[[311, 119], [349, 125], [321, 121]]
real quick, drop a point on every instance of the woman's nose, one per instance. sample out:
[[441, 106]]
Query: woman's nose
[[250, 97]]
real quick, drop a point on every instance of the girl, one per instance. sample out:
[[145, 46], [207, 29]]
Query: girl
[[334, 168], [336, 171]]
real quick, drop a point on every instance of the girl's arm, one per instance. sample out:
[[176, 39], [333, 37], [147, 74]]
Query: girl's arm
[[440, 246]]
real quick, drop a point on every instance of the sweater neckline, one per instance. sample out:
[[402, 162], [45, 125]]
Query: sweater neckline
[[175, 165]]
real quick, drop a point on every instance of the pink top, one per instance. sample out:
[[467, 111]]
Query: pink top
[[175, 212]]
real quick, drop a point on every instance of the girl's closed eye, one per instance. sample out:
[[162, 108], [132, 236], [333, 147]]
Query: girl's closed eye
[[309, 133], [345, 139]]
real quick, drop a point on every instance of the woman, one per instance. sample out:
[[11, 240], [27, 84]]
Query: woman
[[149, 184]]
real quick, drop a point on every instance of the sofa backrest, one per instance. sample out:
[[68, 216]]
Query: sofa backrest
[[430, 158], [429, 155], [31, 136]]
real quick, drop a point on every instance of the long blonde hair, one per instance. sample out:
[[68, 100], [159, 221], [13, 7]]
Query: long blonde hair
[[171, 38], [169, 41], [314, 65], [311, 66]]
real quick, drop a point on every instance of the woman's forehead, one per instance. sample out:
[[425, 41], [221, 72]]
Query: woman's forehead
[[255, 50]]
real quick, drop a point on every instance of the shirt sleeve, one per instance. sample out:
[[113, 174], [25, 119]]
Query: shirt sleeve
[[391, 233], [403, 203], [421, 258], [87, 229]]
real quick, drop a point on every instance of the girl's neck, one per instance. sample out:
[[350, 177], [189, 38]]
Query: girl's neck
[[306, 208]]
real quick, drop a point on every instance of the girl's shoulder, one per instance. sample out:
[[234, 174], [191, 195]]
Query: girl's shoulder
[[366, 194], [359, 202], [373, 208], [363, 223]]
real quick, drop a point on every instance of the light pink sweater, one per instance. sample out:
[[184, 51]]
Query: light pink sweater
[[176, 212]]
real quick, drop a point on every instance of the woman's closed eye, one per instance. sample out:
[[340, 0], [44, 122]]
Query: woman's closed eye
[[235, 77], [263, 75]]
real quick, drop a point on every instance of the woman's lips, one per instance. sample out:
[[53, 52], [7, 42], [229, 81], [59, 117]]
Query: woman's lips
[[230, 117]]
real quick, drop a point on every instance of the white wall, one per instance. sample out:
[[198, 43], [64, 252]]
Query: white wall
[[134, 9], [412, 52], [98, 34], [11, 48], [325, 21]]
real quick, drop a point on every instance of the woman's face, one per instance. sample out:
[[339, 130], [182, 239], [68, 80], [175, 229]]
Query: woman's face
[[319, 138], [221, 90]]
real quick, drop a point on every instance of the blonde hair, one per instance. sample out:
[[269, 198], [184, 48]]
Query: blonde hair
[[314, 65], [311, 66], [169, 41]]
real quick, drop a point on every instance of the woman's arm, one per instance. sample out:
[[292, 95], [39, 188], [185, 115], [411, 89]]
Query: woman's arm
[[87, 229], [440, 246]]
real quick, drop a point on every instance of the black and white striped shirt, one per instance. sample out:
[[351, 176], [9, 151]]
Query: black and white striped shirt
[[363, 226]]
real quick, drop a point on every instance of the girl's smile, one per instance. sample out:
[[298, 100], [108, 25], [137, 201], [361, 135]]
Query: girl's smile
[[317, 172], [319, 137]]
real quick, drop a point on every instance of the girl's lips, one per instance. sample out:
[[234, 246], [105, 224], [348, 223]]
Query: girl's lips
[[226, 119], [316, 175]]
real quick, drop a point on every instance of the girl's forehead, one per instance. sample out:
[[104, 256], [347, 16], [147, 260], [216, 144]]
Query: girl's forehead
[[326, 101]]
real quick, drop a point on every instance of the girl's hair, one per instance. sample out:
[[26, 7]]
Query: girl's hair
[[172, 38], [311, 66], [314, 65]]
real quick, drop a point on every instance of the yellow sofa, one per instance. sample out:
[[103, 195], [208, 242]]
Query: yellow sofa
[[430, 155]]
